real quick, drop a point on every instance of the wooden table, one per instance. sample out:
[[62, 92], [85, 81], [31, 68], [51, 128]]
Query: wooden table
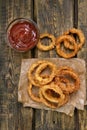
[[53, 16]]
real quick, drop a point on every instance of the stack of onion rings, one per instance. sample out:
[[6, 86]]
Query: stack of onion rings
[[60, 40], [72, 40], [55, 88], [78, 34]]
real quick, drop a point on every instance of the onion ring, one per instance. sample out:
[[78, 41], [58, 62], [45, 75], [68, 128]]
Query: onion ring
[[54, 87], [52, 93], [31, 70], [51, 104], [62, 82], [43, 67], [80, 35], [44, 47], [60, 40], [47, 103], [70, 88]]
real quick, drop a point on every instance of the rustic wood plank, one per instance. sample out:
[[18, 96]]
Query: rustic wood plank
[[4, 122], [12, 114], [82, 24], [54, 17], [3, 96]]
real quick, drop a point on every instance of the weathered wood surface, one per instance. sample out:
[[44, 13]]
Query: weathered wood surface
[[82, 24], [54, 17], [51, 16], [12, 115]]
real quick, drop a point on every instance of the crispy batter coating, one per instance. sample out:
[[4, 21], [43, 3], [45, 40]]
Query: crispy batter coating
[[54, 88], [70, 88], [42, 47], [41, 68], [52, 102], [60, 40], [72, 41], [32, 95], [48, 103], [31, 77], [79, 35], [63, 83], [52, 93]]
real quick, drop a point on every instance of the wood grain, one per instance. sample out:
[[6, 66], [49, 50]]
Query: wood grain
[[54, 17], [12, 114], [82, 24]]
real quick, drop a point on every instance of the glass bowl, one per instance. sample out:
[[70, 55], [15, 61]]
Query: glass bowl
[[22, 34]]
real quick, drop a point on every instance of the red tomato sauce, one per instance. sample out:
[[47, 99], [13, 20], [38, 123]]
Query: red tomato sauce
[[23, 35]]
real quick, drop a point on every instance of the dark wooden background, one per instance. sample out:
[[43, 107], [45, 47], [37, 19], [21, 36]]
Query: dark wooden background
[[53, 16]]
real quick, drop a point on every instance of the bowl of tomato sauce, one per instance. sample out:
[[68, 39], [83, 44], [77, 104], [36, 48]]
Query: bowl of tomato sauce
[[22, 34]]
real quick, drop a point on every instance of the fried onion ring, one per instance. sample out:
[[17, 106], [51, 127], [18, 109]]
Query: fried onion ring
[[70, 88], [41, 68], [45, 47], [78, 33], [61, 52], [51, 85], [31, 70], [62, 82], [47, 103], [52, 93], [51, 104]]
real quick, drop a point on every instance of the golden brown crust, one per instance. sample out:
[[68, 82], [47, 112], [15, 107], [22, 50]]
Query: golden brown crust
[[31, 77], [42, 47], [54, 89], [48, 103], [52, 93], [63, 83], [54, 103], [32, 95], [60, 40], [80, 35], [63, 102], [73, 40], [41, 68], [70, 88]]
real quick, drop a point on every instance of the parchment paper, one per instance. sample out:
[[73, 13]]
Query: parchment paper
[[77, 100]]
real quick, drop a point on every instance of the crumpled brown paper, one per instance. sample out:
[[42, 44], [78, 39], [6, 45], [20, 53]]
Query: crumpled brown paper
[[77, 99]]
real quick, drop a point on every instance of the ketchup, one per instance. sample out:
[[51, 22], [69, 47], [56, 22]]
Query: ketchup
[[23, 35]]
